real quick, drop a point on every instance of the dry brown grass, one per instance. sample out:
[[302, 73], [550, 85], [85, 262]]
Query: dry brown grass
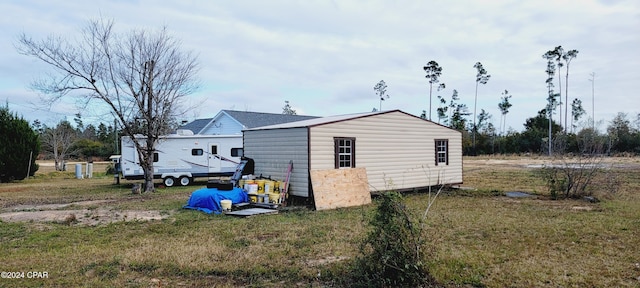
[[476, 238]]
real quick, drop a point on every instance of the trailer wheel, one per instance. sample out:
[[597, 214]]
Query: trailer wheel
[[169, 181], [185, 181]]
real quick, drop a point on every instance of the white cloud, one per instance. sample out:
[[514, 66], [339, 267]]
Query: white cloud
[[325, 57]]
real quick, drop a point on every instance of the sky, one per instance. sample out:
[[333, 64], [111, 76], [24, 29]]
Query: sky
[[325, 57]]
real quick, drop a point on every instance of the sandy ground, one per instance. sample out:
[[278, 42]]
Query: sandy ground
[[60, 213], [81, 216], [524, 162]]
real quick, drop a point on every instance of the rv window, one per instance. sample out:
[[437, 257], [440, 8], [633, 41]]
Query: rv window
[[344, 152], [197, 152], [442, 152], [237, 152], [214, 149], [155, 157]]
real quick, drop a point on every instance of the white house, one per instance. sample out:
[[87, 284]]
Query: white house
[[232, 122], [398, 150]]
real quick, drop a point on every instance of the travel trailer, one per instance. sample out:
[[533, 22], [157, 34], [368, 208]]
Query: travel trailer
[[181, 157]]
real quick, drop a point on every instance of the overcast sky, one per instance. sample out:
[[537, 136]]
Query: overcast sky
[[325, 57]]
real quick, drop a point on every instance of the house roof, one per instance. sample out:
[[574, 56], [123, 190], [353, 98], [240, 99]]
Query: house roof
[[333, 119], [247, 119], [258, 119], [196, 125]]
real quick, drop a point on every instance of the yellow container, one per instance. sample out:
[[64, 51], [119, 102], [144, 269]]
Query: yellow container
[[241, 183], [253, 198], [274, 197], [260, 185], [251, 188], [268, 186], [226, 205]]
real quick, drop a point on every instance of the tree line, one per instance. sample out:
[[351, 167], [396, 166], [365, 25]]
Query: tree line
[[88, 143], [481, 136]]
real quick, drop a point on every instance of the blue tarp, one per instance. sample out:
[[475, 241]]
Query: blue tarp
[[208, 199]]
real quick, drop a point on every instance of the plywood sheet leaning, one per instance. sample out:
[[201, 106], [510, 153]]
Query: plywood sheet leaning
[[335, 188]]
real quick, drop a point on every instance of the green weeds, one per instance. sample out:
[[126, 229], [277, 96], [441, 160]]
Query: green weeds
[[469, 240]]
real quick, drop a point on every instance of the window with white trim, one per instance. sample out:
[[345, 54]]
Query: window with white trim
[[345, 152], [442, 152]]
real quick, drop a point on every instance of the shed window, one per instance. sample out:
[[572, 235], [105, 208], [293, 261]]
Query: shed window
[[197, 152], [442, 152], [345, 152]]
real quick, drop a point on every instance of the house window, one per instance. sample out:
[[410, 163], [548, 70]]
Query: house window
[[197, 152], [442, 152], [345, 152], [237, 152]]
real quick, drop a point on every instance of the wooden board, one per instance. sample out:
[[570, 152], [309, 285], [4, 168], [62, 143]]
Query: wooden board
[[252, 212], [335, 188]]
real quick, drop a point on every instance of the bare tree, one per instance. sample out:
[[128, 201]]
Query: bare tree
[[433, 71], [58, 143], [141, 77]]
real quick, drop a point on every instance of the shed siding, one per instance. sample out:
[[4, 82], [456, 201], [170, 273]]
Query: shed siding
[[397, 150], [273, 149]]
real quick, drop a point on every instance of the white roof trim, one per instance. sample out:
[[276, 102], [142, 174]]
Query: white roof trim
[[319, 121]]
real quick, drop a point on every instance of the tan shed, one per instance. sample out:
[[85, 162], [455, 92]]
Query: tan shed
[[399, 151]]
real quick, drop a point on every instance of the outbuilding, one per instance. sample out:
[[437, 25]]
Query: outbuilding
[[399, 151]]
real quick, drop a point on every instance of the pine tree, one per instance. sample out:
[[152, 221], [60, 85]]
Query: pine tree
[[19, 147]]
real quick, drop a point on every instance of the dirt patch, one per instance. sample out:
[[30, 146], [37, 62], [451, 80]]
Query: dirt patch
[[47, 213], [55, 206], [81, 217], [526, 162]]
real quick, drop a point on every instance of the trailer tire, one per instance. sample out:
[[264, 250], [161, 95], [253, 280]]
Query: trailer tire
[[169, 181], [185, 181]]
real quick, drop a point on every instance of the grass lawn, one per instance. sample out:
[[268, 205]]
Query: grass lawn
[[475, 237]]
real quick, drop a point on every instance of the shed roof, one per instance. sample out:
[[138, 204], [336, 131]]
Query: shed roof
[[333, 119]]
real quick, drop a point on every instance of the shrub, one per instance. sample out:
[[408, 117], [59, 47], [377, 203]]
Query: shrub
[[390, 254], [572, 175]]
